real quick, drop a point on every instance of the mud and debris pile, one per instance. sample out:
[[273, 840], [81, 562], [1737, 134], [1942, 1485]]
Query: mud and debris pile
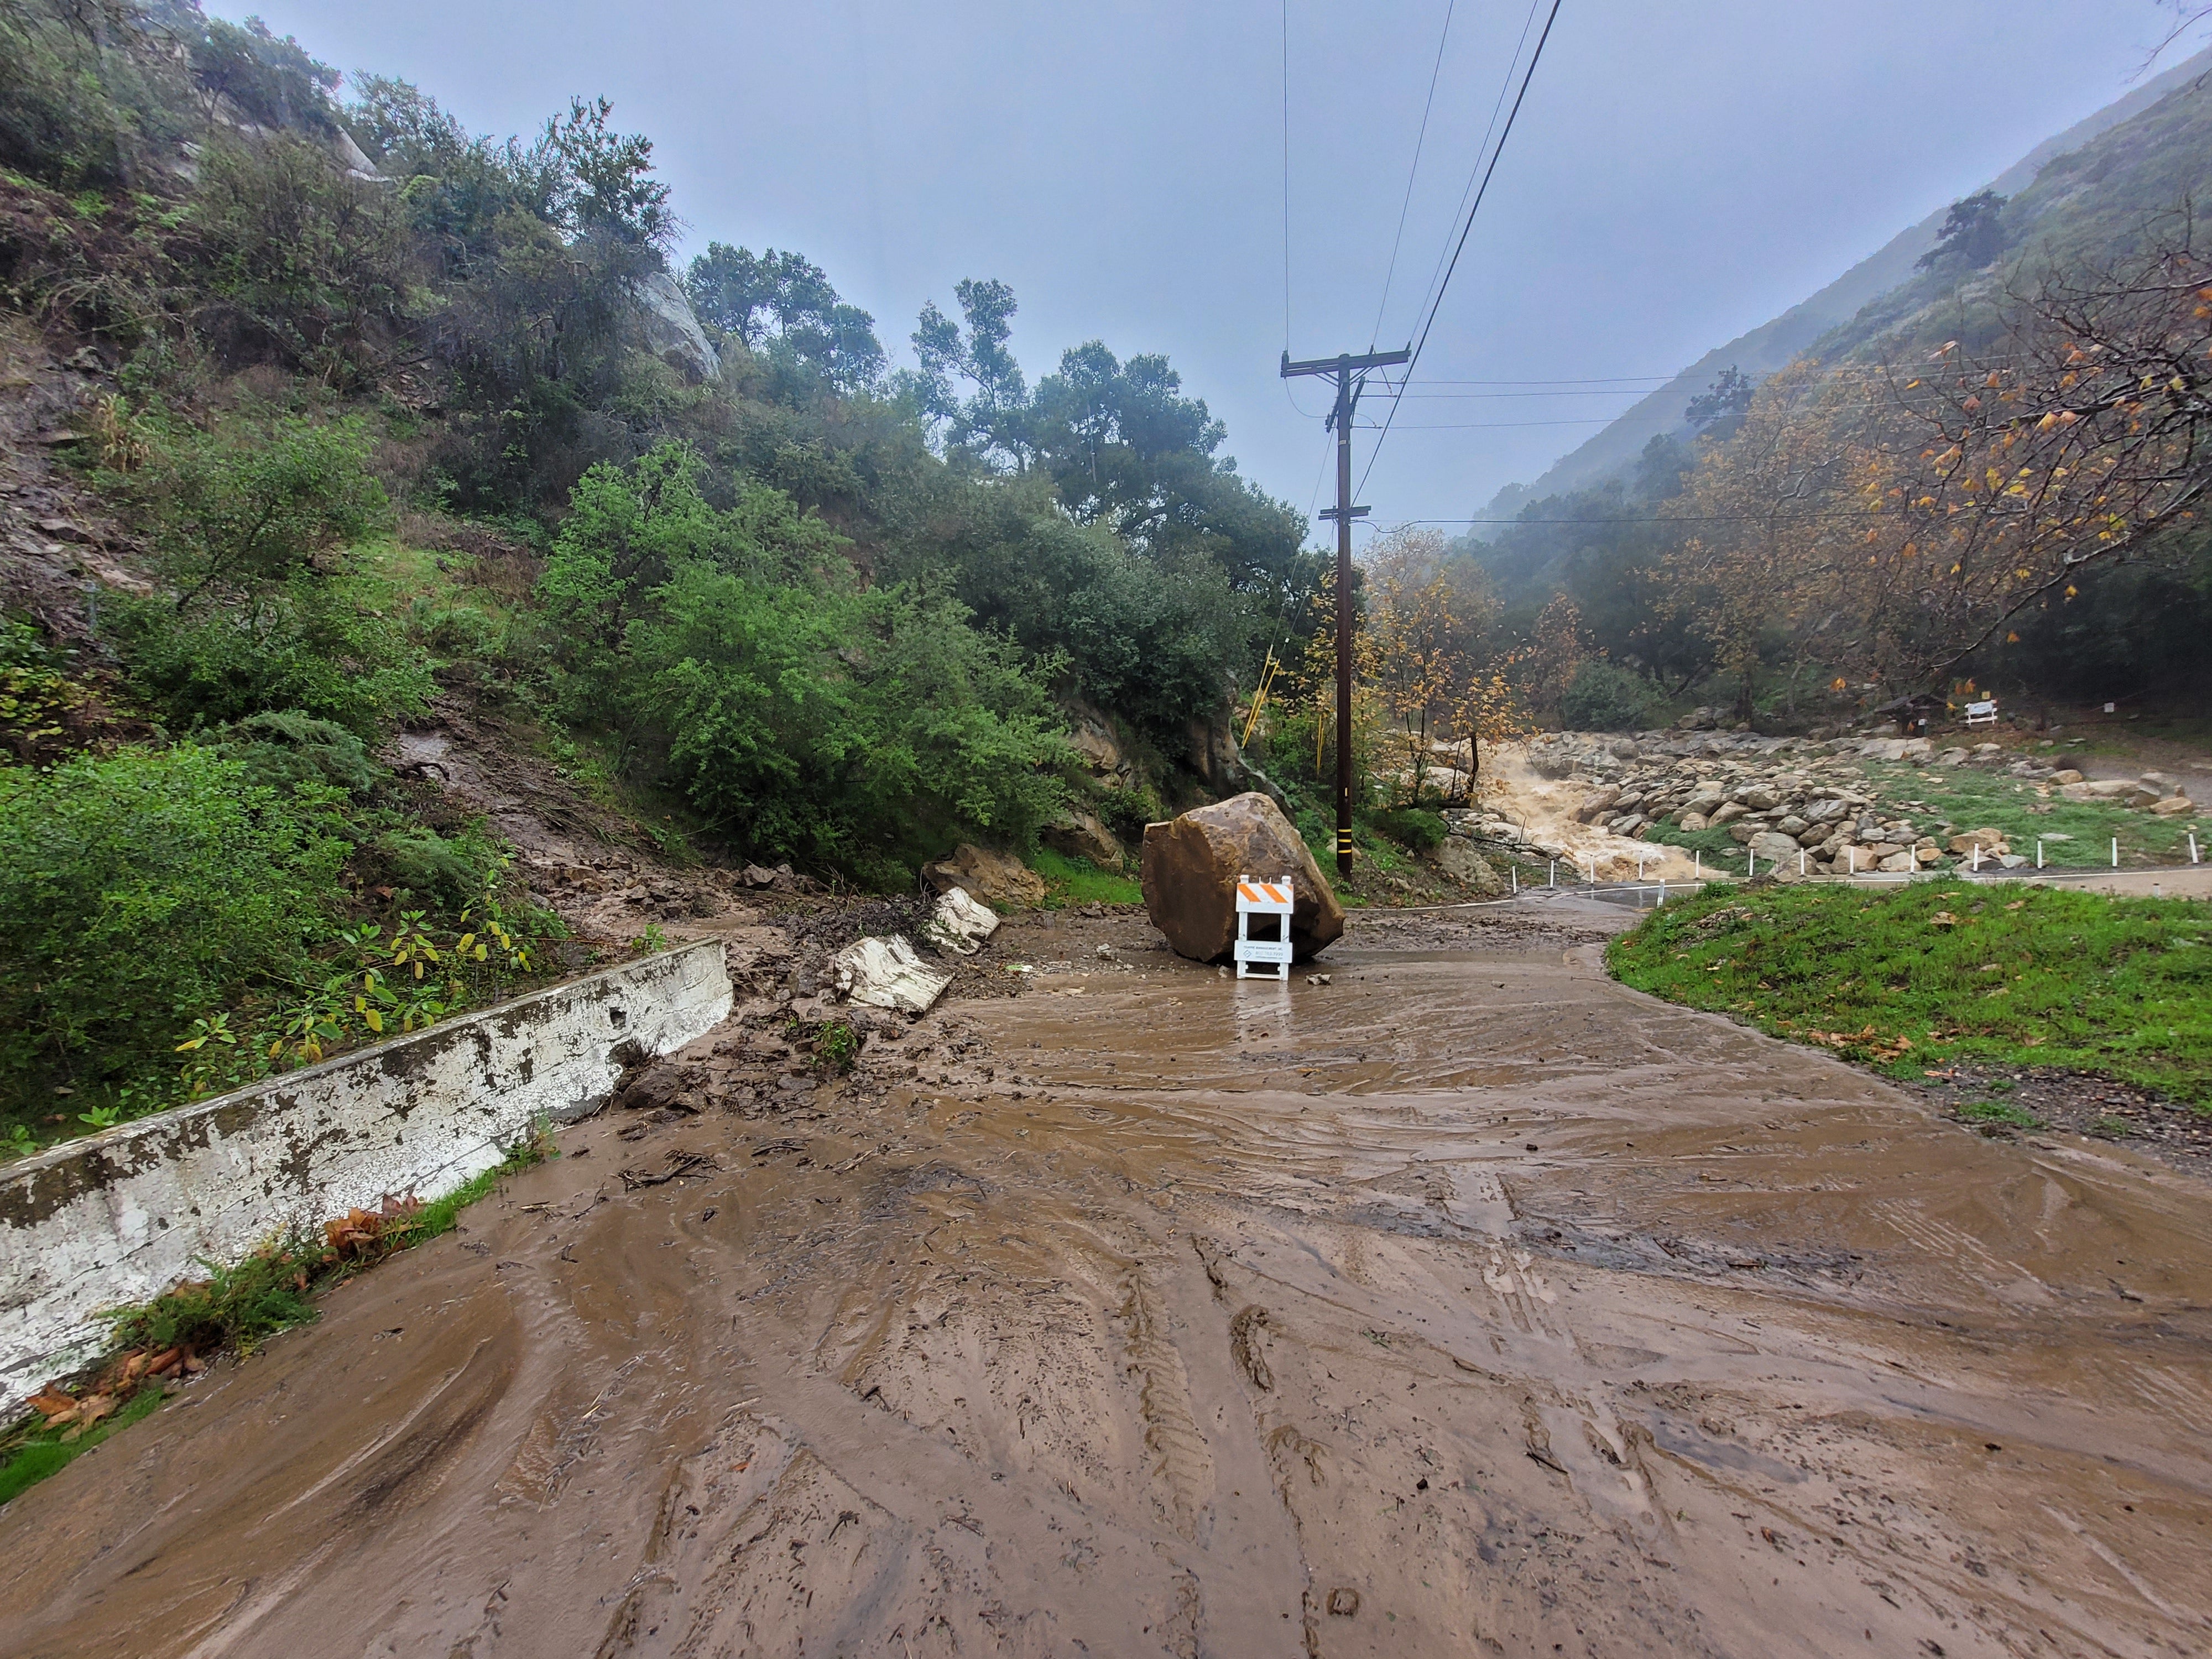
[[1462, 1305]]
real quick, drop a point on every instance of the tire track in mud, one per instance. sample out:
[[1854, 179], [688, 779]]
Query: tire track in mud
[[1391, 1318]]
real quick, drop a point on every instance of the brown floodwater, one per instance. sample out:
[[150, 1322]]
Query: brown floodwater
[[1469, 1303]]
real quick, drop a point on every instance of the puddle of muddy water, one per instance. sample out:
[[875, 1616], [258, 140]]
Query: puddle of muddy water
[[1470, 1295]]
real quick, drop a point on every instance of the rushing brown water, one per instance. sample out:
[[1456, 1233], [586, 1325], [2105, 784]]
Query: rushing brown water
[[1470, 1304]]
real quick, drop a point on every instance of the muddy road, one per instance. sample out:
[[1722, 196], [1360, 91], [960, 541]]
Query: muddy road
[[1469, 1303]]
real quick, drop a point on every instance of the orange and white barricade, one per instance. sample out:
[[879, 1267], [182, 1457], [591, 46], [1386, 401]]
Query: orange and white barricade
[[1264, 898]]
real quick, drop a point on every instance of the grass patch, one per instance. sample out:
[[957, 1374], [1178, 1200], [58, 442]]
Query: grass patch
[[1078, 881], [1969, 797], [235, 1309], [1928, 974], [1999, 1111], [1722, 852]]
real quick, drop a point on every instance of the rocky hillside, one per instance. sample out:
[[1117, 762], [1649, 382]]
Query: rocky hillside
[[1803, 807]]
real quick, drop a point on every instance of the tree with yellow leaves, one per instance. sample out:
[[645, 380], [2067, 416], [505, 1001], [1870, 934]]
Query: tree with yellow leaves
[[2082, 444], [1770, 513], [1437, 668]]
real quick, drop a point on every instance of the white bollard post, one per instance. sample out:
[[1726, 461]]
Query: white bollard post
[[1514, 871], [2192, 846], [2039, 852], [1555, 872], [2116, 852], [1750, 863], [1801, 864], [1697, 864], [1639, 867], [1851, 861], [1977, 857], [1662, 889]]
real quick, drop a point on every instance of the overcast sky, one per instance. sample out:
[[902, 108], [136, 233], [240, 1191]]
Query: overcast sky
[[1680, 173]]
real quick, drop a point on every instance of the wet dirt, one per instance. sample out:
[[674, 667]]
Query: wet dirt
[[1467, 1303]]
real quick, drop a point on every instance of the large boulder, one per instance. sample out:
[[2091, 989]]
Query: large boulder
[[1191, 864], [1772, 847], [1597, 803], [997, 879], [1464, 865]]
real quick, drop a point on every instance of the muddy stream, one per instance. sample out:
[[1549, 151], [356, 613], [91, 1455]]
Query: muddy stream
[[1469, 1303]]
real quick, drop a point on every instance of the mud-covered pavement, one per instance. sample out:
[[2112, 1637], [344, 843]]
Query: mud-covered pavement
[[1468, 1304]]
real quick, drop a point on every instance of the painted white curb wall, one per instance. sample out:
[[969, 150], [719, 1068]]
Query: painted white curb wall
[[119, 1217]]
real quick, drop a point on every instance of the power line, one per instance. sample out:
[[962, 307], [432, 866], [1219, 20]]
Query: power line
[[1505, 83], [1692, 518], [1420, 139], [1286, 179], [1483, 189]]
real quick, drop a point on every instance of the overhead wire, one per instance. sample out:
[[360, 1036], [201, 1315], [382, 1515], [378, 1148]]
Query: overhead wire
[[1466, 230], [1412, 175], [1286, 177], [1497, 106], [1288, 396]]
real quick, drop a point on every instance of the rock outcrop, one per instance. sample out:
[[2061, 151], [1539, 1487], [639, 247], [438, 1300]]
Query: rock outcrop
[[1191, 864], [671, 329], [1081, 834], [997, 879]]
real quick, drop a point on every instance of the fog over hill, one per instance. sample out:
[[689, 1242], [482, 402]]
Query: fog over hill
[[1762, 351]]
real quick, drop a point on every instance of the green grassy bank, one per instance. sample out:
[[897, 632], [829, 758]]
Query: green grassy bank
[[1913, 980]]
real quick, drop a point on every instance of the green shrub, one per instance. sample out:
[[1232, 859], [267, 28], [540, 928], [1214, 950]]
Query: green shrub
[[447, 874], [137, 890], [801, 714], [1603, 696], [79, 105], [1126, 812], [268, 610], [300, 261], [1415, 828], [254, 503], [286, 750], [306, 646]]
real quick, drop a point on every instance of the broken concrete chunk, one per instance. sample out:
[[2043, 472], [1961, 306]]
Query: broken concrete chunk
[[960, 923], [886, 973]]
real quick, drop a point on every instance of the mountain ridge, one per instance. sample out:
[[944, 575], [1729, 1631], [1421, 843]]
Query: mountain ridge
[[1759, 352]]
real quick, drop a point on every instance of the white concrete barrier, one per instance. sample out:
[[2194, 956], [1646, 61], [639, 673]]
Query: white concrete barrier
[[119, 1217]]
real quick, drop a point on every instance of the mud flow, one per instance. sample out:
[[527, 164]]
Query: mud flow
[[1468, 1304]]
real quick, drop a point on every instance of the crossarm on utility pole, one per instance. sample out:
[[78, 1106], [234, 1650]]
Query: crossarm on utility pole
[[1348, 372]]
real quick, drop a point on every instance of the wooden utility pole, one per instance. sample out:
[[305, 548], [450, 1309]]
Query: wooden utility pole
[[1350, 373]]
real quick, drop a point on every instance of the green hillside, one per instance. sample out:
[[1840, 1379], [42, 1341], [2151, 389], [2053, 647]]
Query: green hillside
[[330, 418]]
